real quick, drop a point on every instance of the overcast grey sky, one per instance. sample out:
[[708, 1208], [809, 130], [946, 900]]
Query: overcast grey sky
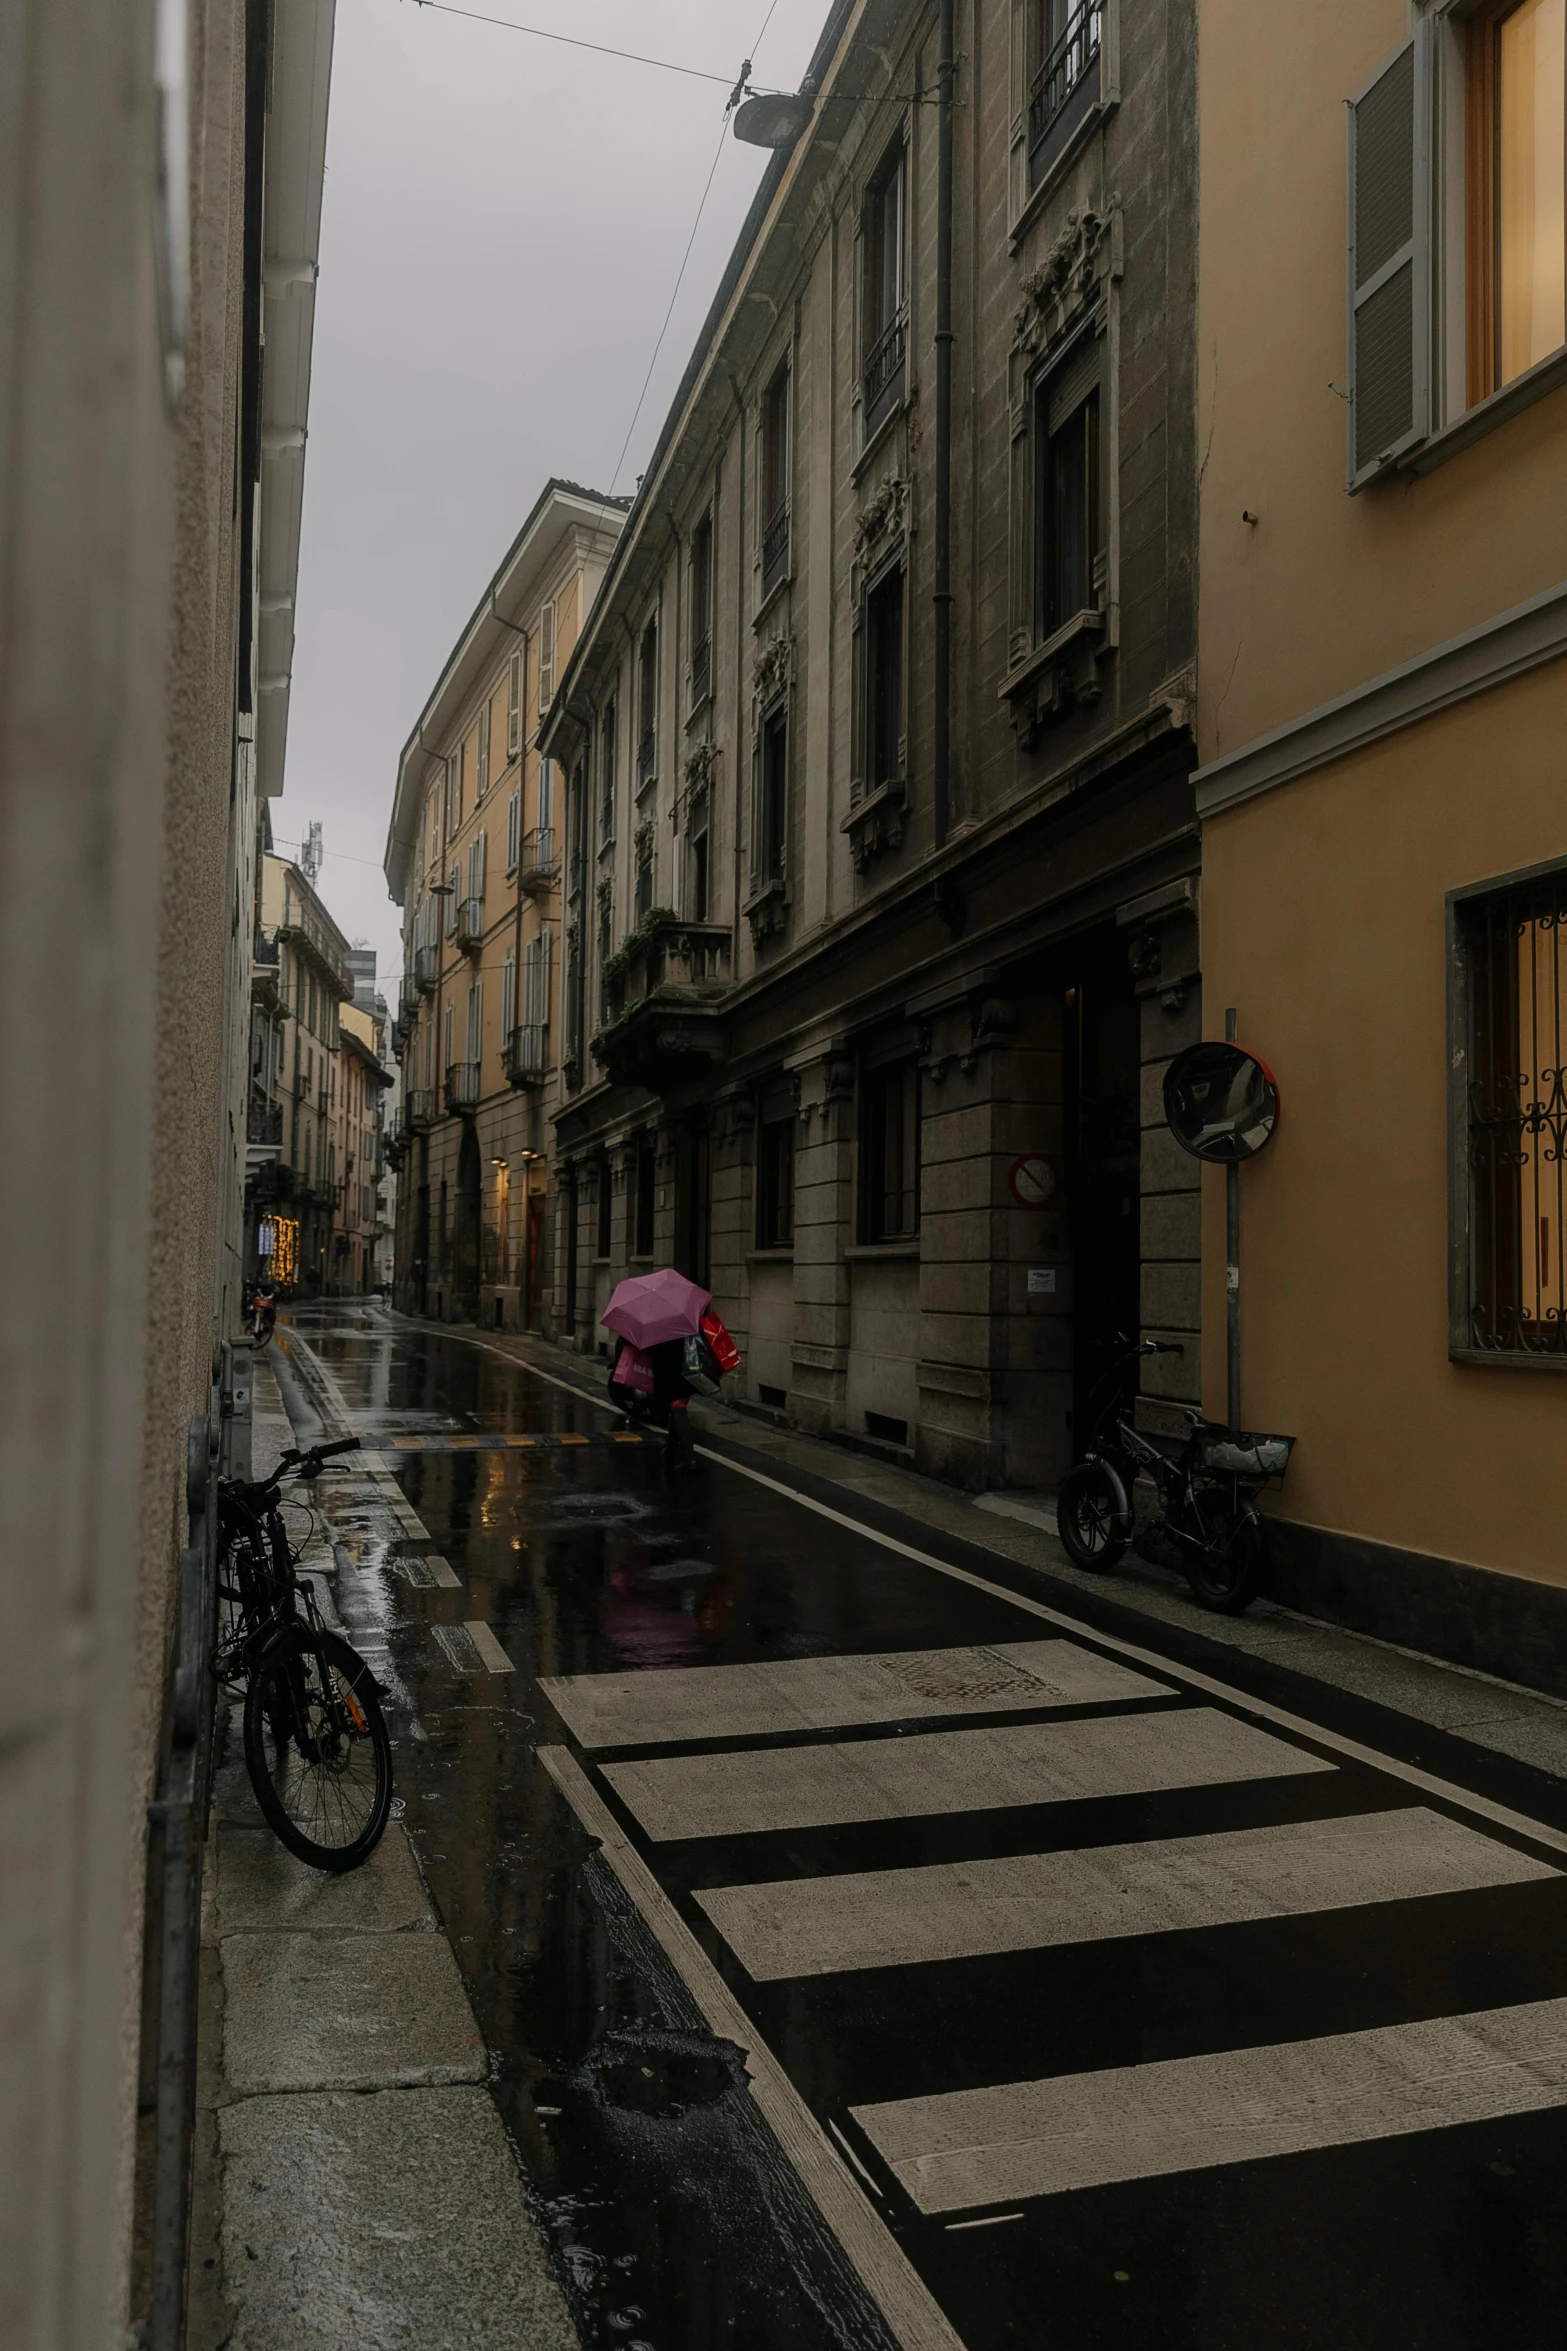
[[503, 223]]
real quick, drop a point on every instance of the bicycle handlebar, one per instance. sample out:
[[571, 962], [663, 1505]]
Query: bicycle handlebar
[[309, 1461]]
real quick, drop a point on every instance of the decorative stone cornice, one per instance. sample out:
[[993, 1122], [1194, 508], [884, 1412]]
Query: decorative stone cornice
[[881, 518], [774, 671]]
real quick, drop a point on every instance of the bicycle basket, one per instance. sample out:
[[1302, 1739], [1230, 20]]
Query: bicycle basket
[[1242, 1455]]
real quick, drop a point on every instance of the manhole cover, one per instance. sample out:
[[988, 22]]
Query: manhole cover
[[974, 1673]]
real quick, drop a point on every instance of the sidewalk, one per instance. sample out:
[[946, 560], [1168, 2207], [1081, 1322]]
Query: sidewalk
[[354, 2185], [1524, 1725]]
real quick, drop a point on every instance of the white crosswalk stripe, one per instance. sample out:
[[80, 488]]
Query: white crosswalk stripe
[[949, 1771], [1030, 1901]]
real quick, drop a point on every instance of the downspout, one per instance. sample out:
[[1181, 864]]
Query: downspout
[[941, 760]]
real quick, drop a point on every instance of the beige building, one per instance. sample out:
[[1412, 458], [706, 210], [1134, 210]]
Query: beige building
[[300, 1059], [473, 859], [1383, 707], [160, 185], [361, 1088], [881, 878]]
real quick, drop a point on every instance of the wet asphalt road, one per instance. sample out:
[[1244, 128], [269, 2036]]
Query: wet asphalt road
[[974, 1867]]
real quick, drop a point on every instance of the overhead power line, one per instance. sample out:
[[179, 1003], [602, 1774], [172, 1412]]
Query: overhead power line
[[506, 24]]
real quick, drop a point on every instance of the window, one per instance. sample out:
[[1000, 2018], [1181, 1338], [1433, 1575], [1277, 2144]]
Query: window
[[775, 1184], [775, 479], [603, 1240], [1516, 143], [607, 776], [884, 325], [606, 945], [889, 1152], [697, 841], [644, 892], [475, 1028], [701, 611], [435, 831], [882, 682], [450, 1037], [772, 794], [644, 1198], [647, 705], [481, 758], [546, 809], [514, 706], [546, 658], [1511, 1136], [1068, 536], [513, 831], [1458, 225], [453, 894], [1064, 44], [508, 995], [536, 980], [476, 868], [454, 792]]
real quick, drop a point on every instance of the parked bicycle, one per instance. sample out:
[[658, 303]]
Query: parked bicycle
[[262, 1315], [316, 1743], [1205, 1496]]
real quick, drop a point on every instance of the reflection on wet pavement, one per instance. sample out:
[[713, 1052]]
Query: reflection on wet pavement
[[1003, 1771]]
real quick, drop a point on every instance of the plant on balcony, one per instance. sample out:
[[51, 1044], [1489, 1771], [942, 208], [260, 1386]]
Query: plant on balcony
[[635, 944]]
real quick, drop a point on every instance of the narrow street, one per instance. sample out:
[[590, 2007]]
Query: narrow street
[[869, 1951]]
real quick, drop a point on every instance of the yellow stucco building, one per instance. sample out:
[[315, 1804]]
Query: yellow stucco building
[[1383, 710]]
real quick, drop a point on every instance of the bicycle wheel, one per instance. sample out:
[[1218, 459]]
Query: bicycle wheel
[[1088, 1519], [317, 1750], [1226, 1572]]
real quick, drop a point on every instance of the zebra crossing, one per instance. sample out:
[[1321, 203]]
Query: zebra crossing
[[1081, 1806]]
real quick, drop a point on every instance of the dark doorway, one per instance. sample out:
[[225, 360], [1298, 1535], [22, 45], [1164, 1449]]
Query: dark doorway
[[1101, 1032], [465, 1239], [533, 1293]]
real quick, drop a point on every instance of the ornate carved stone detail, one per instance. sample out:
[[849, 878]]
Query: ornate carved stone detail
[[774, 671], [875, 824], [994, 1023], [881, 518], [767, 910], [1065, 283]]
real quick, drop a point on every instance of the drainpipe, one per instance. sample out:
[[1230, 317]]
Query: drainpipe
[[941, 764]]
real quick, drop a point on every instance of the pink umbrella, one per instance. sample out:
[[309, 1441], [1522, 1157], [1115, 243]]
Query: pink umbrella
[[652, 1307]]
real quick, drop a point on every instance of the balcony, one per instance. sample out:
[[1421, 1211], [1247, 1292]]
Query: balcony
[[421, 1109], [775, 549], [538, 861], [527, 1054], [882, 384], [663, 991], [264, 1125], [1065, 89], [470, 925], [427, 969], [462, 1086]]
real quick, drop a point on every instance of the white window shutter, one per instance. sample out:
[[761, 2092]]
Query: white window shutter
[[545, 945], [546, 657], [1389, 262], [514, 706], [478, 849], [508, 994], [513, 831], [482, 754], [546, 794]]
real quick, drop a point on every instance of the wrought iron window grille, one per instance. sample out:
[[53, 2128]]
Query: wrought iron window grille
[[1069, 58], [883, 375], [1511, 1049], [775, 547]]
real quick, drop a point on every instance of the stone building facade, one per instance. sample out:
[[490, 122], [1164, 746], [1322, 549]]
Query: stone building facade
[[473, 859], [867, 1038]]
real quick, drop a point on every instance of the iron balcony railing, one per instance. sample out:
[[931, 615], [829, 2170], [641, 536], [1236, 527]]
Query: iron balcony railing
[[537, 863], [462, 1085], [264, 1123], [775, 547], [421, 1108], [427, 969], [470, 923], [883, 378], [528, 1053], [647, 753], [1072, 55], [701, 671]]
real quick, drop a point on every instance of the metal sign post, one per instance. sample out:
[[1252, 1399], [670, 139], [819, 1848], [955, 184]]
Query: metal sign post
[[1222, 1106]]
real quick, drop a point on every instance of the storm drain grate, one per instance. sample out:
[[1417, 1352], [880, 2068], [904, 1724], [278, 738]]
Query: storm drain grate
[[414, 1571], [460, 1647], [966, 1673]]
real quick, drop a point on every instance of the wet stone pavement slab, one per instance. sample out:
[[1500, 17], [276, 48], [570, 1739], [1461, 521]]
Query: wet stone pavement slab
[[345, 2012], [873, 1945]]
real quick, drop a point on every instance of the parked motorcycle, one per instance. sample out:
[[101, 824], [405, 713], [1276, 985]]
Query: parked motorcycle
[[1205, 1495]]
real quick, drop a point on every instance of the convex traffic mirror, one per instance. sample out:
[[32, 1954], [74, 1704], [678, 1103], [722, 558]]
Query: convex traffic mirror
[[1221, 1102]]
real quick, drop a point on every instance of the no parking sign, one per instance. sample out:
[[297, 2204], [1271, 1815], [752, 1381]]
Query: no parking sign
[[1033, 1180]]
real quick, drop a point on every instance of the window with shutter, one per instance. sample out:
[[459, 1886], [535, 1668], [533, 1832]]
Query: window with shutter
[[546, 657], [1389, 292], [513, 830], [475, 1020], [508, 993], [546, 944], [546, 795], [453, 894], [514, 706], [482, 751]]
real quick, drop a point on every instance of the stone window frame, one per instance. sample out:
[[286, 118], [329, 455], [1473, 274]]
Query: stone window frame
[[1025, 203], [899, 140]]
